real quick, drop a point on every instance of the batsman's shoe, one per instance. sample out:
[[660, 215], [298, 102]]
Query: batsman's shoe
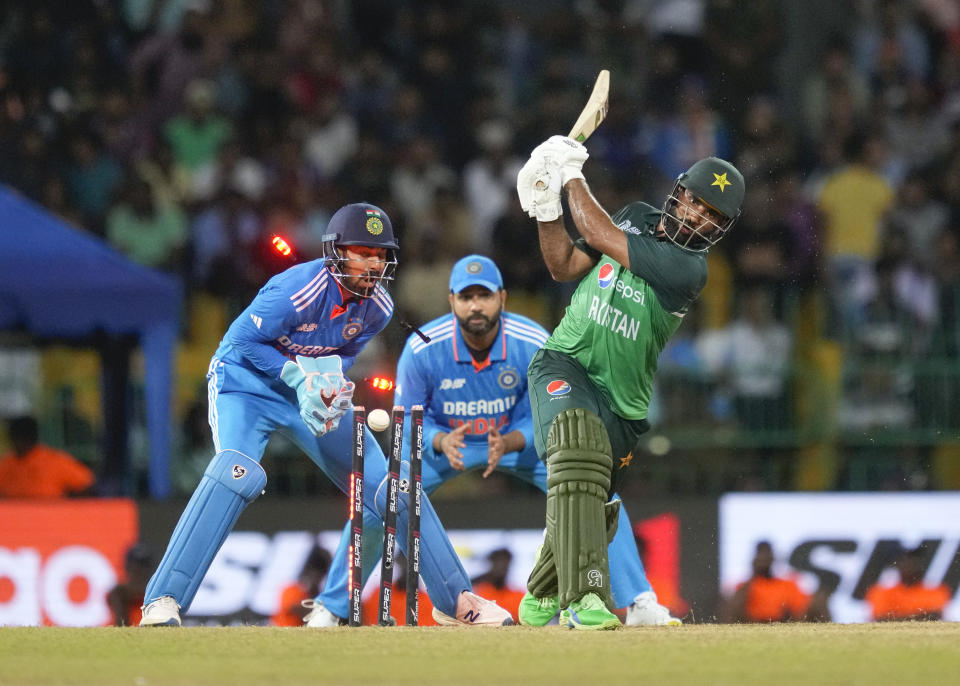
[[161, 612], [646, 611], [472, 610], [319, 616], [589, 614], [536, 611]]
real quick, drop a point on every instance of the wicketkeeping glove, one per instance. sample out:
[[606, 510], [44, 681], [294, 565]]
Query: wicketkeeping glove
[[323, 392]]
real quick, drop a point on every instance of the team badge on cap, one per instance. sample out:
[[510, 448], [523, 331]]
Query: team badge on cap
[[374, 222], [558, 387], [351, 330], [605, 275], [474, 268]]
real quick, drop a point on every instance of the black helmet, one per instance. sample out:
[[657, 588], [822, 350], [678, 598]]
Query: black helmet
[[359, 224], [718, 184]]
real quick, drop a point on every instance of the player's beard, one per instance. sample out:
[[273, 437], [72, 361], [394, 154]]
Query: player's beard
[[355, 284], [478, 324]]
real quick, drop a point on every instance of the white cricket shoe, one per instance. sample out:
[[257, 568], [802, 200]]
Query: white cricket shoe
[[472, 610], [163, 611], [646, 611], [319, 616]]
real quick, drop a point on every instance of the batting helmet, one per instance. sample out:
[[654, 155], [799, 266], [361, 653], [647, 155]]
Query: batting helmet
[[715, 183]]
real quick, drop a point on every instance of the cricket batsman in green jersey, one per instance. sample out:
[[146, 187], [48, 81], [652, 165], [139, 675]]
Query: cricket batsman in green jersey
[[591, 383]]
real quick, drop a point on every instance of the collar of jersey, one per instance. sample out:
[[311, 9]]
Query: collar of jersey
[[461, 353]]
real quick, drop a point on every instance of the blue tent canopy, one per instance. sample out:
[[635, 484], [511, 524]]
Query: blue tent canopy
[[59, 282]]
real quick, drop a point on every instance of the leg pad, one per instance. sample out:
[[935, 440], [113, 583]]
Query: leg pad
[[231, 482], [579, 465]]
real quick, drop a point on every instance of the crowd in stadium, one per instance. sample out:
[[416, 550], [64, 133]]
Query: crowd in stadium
[[188, 132]]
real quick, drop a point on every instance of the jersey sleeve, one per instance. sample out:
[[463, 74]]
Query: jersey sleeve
[[676, 276], [414, 387], [268, 317]]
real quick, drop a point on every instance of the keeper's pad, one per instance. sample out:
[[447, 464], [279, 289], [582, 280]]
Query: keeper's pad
[[579, 465], [542, 582], [232, 481]]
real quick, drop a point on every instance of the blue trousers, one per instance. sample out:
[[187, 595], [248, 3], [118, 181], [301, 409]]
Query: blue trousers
[[245, 408]]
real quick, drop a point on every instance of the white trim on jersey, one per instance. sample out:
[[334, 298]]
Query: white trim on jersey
[[212, 417], [383, 299], [306, 295], [441, 332], [524, 331]]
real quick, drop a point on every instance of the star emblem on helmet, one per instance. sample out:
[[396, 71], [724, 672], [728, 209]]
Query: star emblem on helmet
[[720, 180]]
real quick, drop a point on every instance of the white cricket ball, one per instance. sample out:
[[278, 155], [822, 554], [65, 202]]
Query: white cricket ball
[[378, 420]]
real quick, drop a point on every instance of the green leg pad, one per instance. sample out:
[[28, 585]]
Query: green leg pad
[[579, 464], [542, 582], [543, 579], [611, 512]]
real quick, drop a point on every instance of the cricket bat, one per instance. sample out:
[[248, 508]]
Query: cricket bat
[[595, 111]]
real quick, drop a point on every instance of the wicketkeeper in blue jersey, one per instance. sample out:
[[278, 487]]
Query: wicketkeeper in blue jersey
[[282, 367], [471, 378]]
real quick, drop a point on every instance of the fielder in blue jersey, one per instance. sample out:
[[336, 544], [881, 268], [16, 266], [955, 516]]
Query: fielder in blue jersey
[[471, 378], [282, 367]]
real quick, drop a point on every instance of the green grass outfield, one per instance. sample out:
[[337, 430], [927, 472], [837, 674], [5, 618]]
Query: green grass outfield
[[901, 654]]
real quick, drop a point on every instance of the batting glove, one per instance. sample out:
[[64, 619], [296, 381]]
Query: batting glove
[[538, 186], [565, 153]]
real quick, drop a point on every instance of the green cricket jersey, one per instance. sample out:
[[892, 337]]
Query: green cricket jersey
[[619, 319]]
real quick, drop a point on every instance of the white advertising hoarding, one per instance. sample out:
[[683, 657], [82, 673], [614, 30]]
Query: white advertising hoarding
[[841, 539], [252, 567]]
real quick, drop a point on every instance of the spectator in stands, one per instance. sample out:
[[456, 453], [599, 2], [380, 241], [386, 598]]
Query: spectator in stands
[[149, 231], [489, 180], [911, 599], [292, 608], [754, 353], [197, 135], [126, 598], [35, 470], [835, 78], [766, 598], [852, 228]]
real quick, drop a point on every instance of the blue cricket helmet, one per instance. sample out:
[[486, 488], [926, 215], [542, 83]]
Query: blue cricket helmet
[[360, 224]]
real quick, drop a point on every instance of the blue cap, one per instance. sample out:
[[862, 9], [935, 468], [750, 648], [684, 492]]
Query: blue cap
[[475, 270]]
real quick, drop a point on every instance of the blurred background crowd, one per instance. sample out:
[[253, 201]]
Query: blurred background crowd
[[825, 351]]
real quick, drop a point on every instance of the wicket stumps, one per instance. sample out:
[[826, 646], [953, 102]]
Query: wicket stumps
[[412, 487], [390, 518], [413, 515], [355, 580]]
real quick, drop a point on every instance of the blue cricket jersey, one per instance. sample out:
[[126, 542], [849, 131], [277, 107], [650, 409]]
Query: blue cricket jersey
[[443, 377], [300, 311]]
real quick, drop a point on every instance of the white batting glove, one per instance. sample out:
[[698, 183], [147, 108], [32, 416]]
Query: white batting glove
[[546, 193], [566, 153], [538, 187], [526, 179]]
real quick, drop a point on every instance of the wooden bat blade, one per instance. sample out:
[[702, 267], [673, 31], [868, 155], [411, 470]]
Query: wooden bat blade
[[595, 110]]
